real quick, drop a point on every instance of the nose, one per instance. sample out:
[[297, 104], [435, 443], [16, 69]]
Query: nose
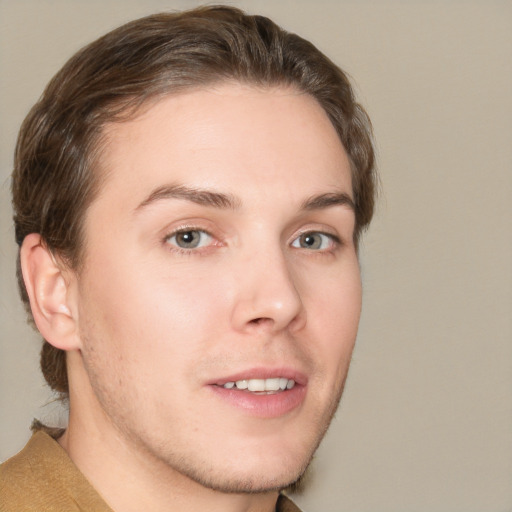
[[267, 298]]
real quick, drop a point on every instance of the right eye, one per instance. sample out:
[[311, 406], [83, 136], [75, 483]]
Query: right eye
[[189, 238]]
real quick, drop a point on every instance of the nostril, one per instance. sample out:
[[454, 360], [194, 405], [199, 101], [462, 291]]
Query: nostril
[[261, 321]]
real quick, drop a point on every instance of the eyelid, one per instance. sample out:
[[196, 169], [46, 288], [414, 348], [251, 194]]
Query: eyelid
[[335, 239], [183, 228], [201, 242]]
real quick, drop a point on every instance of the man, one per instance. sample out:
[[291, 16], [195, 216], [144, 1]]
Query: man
[[189, 194]]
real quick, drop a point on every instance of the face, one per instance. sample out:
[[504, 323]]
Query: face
[[220, 296]]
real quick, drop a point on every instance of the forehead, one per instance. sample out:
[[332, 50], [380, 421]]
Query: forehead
[[234, 137]]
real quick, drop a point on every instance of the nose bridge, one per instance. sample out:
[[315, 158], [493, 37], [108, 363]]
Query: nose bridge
[[267, 293]]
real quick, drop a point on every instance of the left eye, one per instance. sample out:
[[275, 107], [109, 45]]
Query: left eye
[[190, 239], [314, 241]]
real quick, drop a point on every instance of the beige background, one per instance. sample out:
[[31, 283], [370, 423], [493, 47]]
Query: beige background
[[426, 421]]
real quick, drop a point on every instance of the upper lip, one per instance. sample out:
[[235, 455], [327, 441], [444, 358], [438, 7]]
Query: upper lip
[[299, 377]]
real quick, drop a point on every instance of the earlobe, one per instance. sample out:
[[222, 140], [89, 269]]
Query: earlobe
[[48, 289]]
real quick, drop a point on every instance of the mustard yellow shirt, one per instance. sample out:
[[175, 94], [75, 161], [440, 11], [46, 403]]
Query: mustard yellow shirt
[[43, 478]]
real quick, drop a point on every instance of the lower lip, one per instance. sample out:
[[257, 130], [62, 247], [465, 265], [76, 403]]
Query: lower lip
[[263, 405]]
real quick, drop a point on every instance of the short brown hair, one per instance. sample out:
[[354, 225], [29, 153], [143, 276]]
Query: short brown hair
[[53, 179]]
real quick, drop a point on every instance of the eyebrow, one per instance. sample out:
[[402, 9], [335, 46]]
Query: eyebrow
[[196, 195], [327, 200], [221, 200]]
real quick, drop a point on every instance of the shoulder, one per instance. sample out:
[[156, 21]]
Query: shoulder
[[285, 504], [42, 477], [19, 480]]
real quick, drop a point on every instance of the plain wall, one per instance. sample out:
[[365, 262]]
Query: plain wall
[[426, 420]]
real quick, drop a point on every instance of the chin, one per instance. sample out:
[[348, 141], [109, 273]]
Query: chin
[[268, 470], [248, 483]]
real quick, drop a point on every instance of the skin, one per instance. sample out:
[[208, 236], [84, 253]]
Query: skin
[[150, 326]]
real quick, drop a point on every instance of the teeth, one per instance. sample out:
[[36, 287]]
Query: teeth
[[273, 384], [242, 384], [256, 385]]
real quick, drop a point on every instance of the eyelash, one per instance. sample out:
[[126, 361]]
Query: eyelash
[[335, 241], [182, 231]]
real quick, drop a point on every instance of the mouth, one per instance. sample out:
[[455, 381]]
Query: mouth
[[268, 386], [263, 393]]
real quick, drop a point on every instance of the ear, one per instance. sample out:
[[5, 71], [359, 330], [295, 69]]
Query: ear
[[48, 286]]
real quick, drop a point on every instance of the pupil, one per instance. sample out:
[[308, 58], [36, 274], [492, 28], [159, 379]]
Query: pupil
[[309, 240], [188, 238]]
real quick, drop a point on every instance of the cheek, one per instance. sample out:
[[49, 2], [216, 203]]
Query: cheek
[[144, 331], [333, 316], [165, 308]]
